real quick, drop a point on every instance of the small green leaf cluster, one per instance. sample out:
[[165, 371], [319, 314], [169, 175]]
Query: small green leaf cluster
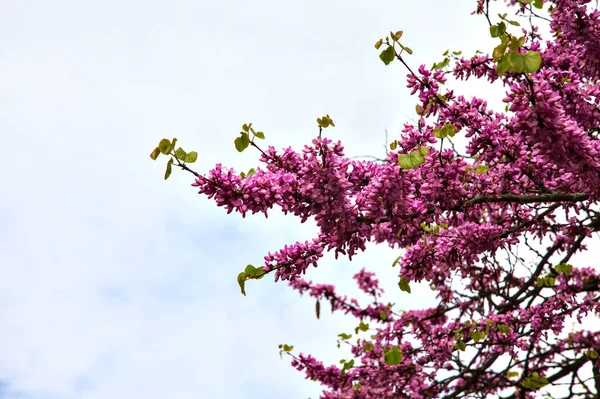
[[404, 285], [285, 348], [248, 174], [564, 268], [389, 53], [512, 60], [347, 365], [536, 3], [446, 130], [166, 147], [413, 159], [591, 353], [534, 381], [325, 122], [392, 357], [446, 61], [432, 229], [242, 142], [546, 281], [361, 327], [250, 273], [479, 169], [511, 374]]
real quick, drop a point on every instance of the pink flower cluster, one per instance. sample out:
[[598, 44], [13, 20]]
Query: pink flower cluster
[[494, 231]]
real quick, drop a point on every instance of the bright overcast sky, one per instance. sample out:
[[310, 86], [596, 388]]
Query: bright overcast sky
[[117, 284]]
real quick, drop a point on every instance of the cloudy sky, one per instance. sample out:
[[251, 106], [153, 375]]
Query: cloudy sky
[[117, 284]]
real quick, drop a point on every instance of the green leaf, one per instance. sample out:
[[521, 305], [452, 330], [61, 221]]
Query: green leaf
[[592, 354], [446, 130], [393, 357], [388, 55], [404, 285], [250, 270], [180, 154], [246, 127], [241, 279], [477, 335], [534, 382], [442, 64], [481, 169], [503, 328], [383, 315], [242, 142], [345, 336], [378, 44], [318, 309], [460, 345], [538, 4], [168, 171], [564, 268], [191, 157], [396, 36], [396, 261], [503, 65], [498, 29], [510, 374], [164, 146], [325, 121], [412, 160], [407, 49], [361, 327], [154, 154], [260, 135], [524, 63], [368, 346], [394, 145]]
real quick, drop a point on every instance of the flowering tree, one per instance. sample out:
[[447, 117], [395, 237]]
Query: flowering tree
[[527, 179]]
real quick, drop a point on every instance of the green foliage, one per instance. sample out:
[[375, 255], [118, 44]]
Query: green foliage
[[477, 335], [347, 366], [524, 63], [361, 327], [249, 173], [503, 328], [592, 354], [564, 268], [242, 142], [534, 381], [154, 154], [479, 169], [168, 171], [285, 348], [413, 159], [241, 279], [383, 315], [325, 122], [250, 273], [536, 3], [388, 55], [393, 357], [546, 281], [404, 285], [446, 130]]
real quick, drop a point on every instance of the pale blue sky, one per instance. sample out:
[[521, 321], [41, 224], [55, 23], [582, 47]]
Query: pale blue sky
[[116, 284]]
